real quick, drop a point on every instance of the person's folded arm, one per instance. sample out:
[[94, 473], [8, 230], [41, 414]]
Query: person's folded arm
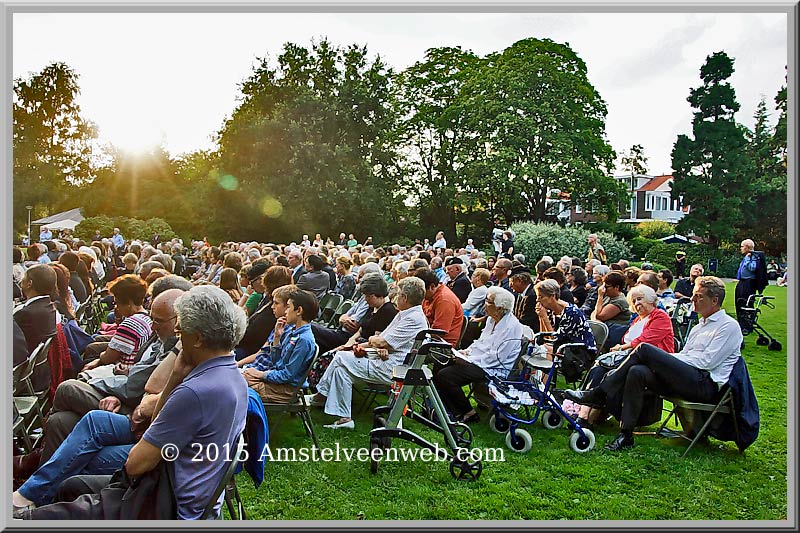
[[296, 359]]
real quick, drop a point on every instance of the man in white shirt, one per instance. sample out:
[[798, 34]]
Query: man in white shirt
[[696, 373]]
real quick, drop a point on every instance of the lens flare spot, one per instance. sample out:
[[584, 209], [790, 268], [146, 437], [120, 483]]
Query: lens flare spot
[[228, 182], [271, 207]]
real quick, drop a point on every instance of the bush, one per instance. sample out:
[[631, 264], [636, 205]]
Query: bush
[[641, 245], [727, 261], [537, 239], [655, 229], [620, 230], [130, 228], [656, 266]]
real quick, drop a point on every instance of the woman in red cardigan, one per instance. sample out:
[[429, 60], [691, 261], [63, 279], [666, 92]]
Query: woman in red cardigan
[[652, 325]]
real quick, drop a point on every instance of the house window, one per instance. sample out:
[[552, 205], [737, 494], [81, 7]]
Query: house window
[[649, 202], [578, 208]]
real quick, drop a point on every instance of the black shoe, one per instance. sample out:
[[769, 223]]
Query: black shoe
[[622, 442], [592, 397], [474, 417]]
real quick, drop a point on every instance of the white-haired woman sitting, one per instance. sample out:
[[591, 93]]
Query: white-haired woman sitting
[[493, 354]]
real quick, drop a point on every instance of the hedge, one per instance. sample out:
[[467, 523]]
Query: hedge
[[727, 261], [535, 240], [130, 228]]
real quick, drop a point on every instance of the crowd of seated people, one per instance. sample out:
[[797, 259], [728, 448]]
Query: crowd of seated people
[[267, 299]]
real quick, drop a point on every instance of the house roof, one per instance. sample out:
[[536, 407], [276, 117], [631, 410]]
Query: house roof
[[655, 183]]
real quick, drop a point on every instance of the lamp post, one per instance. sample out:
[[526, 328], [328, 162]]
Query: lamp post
[[29, 207]]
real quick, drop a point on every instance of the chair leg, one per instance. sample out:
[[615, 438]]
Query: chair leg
[[305, 416], [702, 431]]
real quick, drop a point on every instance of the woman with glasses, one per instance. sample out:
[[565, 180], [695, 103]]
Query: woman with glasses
[[493, 354]]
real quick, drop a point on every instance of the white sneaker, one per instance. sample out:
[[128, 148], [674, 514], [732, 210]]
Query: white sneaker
[[350, 424], [312, 402]]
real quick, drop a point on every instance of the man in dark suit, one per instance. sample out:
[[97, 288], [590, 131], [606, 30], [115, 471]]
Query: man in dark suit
[[37, 316], [525, 304], [459, 282], [295, 259]]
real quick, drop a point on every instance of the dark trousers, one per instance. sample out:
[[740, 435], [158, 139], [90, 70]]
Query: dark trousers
[[650, 368], [449, 381], [744, 289]]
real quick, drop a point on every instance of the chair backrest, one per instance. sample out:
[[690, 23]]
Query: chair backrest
[[80, 313], [333, 301], [39, 361], [464, 324], [208, 513], [22, 375], [600, 332], [326, 299], [342, 309]]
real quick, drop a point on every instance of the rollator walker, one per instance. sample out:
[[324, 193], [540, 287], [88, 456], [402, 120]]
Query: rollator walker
[[412, 388], [530, 398]]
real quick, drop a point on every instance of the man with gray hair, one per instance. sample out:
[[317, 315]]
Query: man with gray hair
[[596, 250], [746, 285], [372, 361], [492, 354]]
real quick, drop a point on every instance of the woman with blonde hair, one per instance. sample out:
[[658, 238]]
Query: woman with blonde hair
[[346, 281]]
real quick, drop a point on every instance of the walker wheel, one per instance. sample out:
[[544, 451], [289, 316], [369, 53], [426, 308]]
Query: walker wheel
[[775, 346], [463, 434], [465, 470], [762, 341], [378, 422], [498, 423], [374, 461], [552, 419], [582, 444], [519, 440]]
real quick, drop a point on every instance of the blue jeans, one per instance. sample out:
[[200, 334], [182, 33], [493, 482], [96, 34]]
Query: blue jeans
[[99, 444]]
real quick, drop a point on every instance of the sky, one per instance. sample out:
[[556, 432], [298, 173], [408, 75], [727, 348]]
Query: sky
[[174, 77]]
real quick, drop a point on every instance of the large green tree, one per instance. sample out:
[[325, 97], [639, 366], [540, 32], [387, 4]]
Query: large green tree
[[435, 136], [311, 146], [712, 170], [765, 219], [540, 126], [52, 151]]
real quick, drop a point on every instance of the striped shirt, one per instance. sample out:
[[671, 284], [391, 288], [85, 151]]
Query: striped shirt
[[129, 337]]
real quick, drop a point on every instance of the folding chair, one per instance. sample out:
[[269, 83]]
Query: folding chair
[[297, 404], [40, 374], [683, 319], [725, 405], [328, 306], [464, 324], [342, 309], [233, 500], [27, 411], [370, 393], [600, 332], [82, 317]]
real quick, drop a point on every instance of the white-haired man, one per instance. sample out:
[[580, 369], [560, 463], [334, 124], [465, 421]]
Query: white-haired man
[[747, 284], [492, 354], [596, 250]]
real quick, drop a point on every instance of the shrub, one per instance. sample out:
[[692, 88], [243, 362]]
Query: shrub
[[620, 230], [727, 261], [537, 239], [641, 245], [655, 229]]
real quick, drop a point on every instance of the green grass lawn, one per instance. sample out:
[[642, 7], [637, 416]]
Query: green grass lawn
[[551, 482]]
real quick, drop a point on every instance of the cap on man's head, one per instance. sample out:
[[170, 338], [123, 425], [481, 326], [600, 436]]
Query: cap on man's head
[[256, 270], [453, 261], [680, 253]]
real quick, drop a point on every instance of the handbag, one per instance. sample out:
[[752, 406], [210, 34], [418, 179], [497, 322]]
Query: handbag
[[611, 360]]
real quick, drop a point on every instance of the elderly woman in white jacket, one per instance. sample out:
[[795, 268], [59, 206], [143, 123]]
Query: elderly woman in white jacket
[[493, 354]]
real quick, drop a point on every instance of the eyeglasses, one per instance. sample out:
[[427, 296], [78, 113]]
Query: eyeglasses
[[489, 302], [157, 321]]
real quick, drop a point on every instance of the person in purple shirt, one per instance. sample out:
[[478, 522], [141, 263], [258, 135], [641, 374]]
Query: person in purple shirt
[[204, 404]]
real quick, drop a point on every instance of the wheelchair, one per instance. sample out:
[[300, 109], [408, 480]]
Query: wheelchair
[[749, 315], [530, 399], [412, 381]]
